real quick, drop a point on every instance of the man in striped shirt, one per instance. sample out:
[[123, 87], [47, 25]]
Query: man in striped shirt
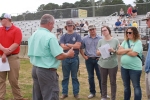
[[89, 43]]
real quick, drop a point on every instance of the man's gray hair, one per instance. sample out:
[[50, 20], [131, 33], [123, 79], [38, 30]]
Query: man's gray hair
[[46, 18]]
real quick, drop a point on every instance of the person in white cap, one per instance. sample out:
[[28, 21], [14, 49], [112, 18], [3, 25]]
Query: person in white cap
[[147, 64], [10, 39]]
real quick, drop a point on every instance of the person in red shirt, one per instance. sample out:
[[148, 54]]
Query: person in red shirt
[[129, 12], [10, 39]]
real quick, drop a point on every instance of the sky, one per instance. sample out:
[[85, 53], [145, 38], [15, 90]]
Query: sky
[[19, 6]]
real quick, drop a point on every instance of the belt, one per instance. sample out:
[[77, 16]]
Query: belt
[[12, 54], [52, 69], [93, 57]]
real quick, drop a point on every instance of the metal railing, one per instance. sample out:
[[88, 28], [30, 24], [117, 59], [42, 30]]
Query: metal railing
[[103, 10]]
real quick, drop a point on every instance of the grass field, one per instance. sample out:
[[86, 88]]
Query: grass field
[[25, 82]]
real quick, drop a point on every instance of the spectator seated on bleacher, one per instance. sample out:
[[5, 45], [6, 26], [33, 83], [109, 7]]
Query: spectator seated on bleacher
[[135, 24], [126, 27], [78, 27], [81, 25], [118, 26], [86, 27], [123, 24], [121, 13], [59, 31], [129, 12], [134, 12], [128, 23]]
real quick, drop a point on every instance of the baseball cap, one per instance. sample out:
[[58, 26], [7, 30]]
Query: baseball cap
[[69, 22], [5, 15], [147, 16], [91, 27]]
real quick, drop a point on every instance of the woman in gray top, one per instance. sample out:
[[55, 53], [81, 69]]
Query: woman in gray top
[[121, 13], [108, 65]]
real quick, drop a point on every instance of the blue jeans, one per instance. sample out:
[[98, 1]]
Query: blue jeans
[[119, 29], [70, 65], [134, 76], [91, 64]]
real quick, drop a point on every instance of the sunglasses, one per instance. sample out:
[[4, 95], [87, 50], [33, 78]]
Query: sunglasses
[[129, 32], [69, 25], [2, 18]]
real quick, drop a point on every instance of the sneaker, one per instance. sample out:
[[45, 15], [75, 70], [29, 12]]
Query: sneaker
[[63, 96], [91, 96], [108, 97], [104, 99], [77, 96]]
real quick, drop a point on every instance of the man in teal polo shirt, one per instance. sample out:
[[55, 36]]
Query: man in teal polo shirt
[[45, 55]]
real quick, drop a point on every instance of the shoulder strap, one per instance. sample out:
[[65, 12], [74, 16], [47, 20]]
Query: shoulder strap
[[129, 47], [128, 43]]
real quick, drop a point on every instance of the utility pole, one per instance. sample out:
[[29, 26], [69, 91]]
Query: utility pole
[[93, 7]]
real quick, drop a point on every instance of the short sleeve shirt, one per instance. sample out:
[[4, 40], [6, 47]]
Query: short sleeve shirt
[[72, 39], [129, 62], [81, 25], [59, 30], [118, 23], [90, 44], [121, 12], [112, 61], [134, 11], [10, 36], [129, 10], [43, 47]]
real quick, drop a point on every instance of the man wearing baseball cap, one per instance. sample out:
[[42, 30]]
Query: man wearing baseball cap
[[147, 64], [70, 65], [89, 43], [10, 39]]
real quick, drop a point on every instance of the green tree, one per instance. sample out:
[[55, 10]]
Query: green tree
[[117, 2], [40, 8], [51, 6]]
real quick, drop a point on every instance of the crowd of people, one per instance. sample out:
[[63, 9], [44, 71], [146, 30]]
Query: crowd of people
[[130, 13], [45, 53], [124, 25]]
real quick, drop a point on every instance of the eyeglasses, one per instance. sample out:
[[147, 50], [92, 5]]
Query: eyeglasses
[[129, 32], [91, 29], [2, 18], [104, 30]]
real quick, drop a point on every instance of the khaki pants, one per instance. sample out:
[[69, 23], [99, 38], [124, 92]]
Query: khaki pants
[[13, 76], [147, 80]]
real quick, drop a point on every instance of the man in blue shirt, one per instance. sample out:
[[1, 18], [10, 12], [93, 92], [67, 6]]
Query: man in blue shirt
[[147, 65], [118, 26], [70, 64], [134, 12], [45, 55]]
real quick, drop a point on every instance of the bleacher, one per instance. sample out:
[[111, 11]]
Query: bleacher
[[30, 26]]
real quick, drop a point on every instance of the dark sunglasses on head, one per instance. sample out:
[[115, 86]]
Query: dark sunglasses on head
[[129, 32], [2, 18]]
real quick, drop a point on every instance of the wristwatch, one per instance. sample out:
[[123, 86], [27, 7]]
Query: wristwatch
[[115, 51], [66, 44]]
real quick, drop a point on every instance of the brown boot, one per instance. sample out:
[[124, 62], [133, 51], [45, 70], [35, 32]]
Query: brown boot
[[77, 97], [63, 96]]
